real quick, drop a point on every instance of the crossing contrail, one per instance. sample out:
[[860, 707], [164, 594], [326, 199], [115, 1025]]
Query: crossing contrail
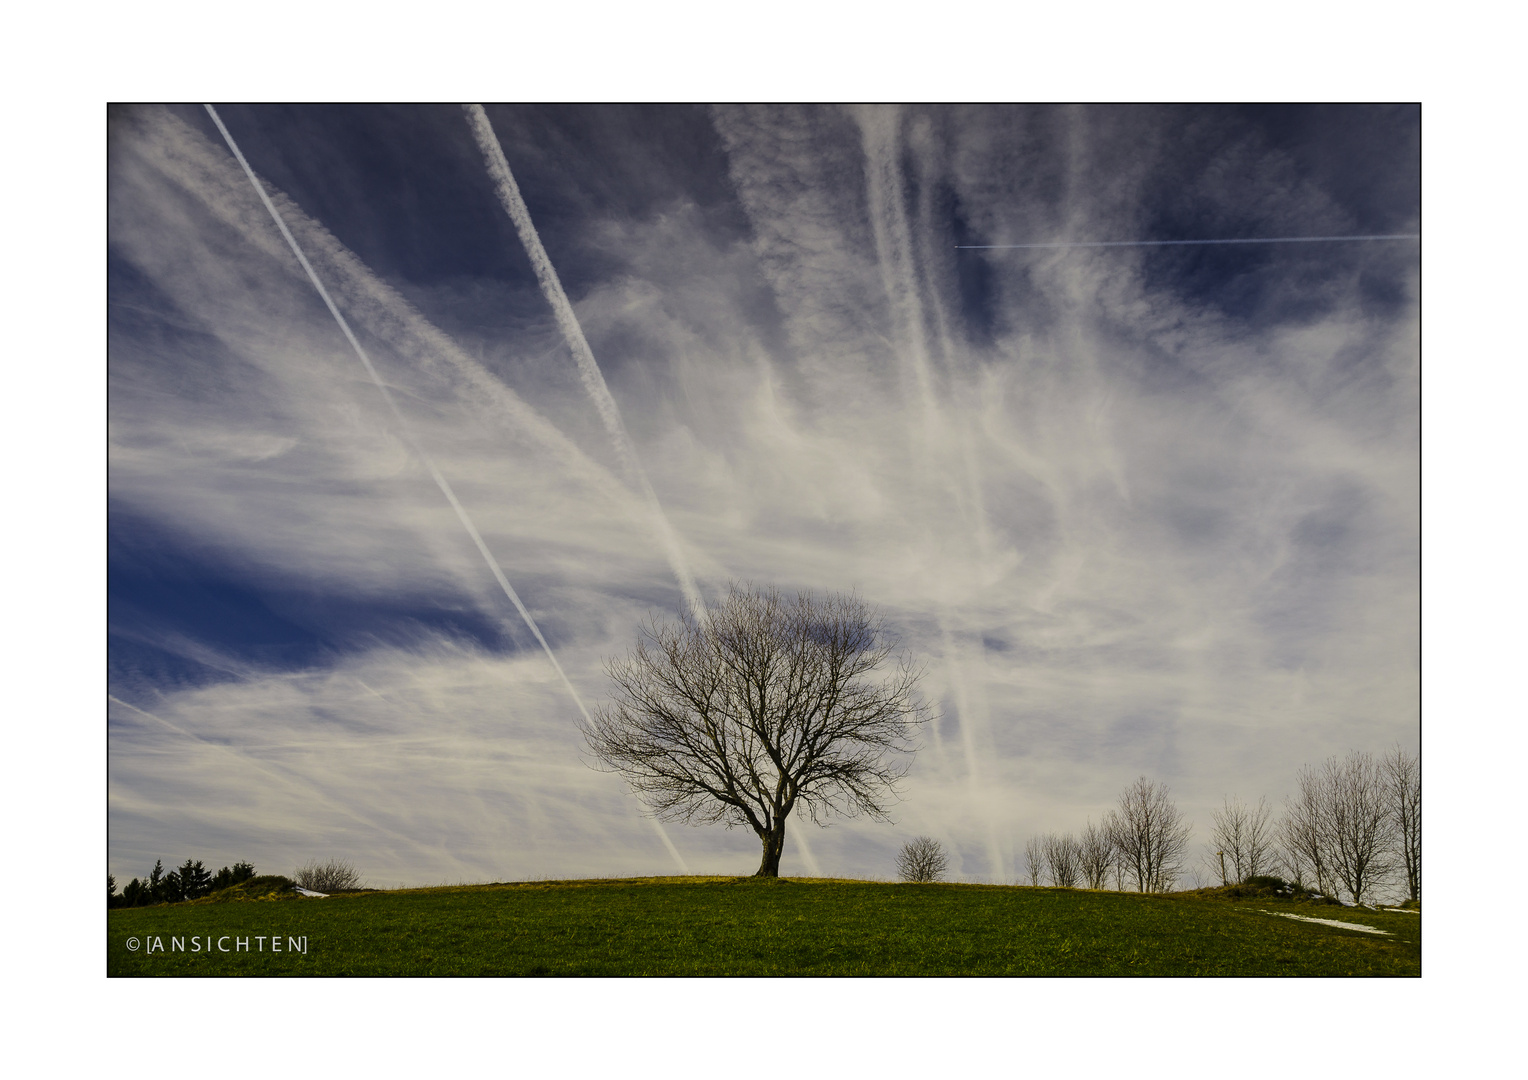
[[185, 156], [588, 369], [306, 787], [408, 435], [1170, 243], [440, 481], [895, 254]]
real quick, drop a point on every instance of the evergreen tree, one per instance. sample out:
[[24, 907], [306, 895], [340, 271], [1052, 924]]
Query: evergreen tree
[[228, 877], [135, 893], [195, 881], [156, 882], [170, 890]]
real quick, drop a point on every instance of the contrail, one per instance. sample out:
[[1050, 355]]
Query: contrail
[[894, 252], [894, 244], [185, 156], [663, 835], [440, 481], [308, 788], [807, 857], [588, 369], [403, 425], [1170, 243]]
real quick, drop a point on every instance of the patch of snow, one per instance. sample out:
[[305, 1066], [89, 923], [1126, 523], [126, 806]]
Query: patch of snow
[[1327, 922], [310, 892]]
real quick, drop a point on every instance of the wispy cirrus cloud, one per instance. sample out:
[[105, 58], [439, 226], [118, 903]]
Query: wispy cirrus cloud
[[1140, 511]]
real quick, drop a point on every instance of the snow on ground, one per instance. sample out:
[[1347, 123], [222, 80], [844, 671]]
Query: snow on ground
[[1328, 922]]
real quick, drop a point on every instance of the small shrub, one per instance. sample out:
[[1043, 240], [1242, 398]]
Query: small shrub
[[1262, 887], [1267, 881], [922, 859], [332, 876], [264, 887]]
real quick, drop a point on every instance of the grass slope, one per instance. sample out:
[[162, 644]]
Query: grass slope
[[743, 926]]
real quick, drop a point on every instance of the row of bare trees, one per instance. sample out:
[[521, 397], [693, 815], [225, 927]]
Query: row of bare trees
[[1243, 841], [1354, 825], [1143, 839], [764, 703]]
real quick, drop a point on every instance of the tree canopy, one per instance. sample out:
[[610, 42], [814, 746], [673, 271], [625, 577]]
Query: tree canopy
[[761, 705]]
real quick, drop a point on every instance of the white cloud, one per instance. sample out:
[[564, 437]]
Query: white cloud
[[1130, 534]]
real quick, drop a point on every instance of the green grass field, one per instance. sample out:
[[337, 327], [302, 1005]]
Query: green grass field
[[744, 926]]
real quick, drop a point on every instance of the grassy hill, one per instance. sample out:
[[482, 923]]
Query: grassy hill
[[745, 926]]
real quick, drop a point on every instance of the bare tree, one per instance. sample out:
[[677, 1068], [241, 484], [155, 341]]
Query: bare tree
[[1242, 841], [1149, 835], [336, 875], [922, 859], [1096, 856], [759, 706], [1362, 823], [1302, 837], [1063, 858], [1403, 778], [1034, 858], [1342, 826]]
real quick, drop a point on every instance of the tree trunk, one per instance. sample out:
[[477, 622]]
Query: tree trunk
[[774, 847]]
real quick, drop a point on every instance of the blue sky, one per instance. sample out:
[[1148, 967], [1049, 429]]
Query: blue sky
[[1140, 510]]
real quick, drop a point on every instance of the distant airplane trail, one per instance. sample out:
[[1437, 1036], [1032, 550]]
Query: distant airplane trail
[[308, 788], [190, 160], [573, 333], [894, 246], [440, 481], [1170, 243]]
